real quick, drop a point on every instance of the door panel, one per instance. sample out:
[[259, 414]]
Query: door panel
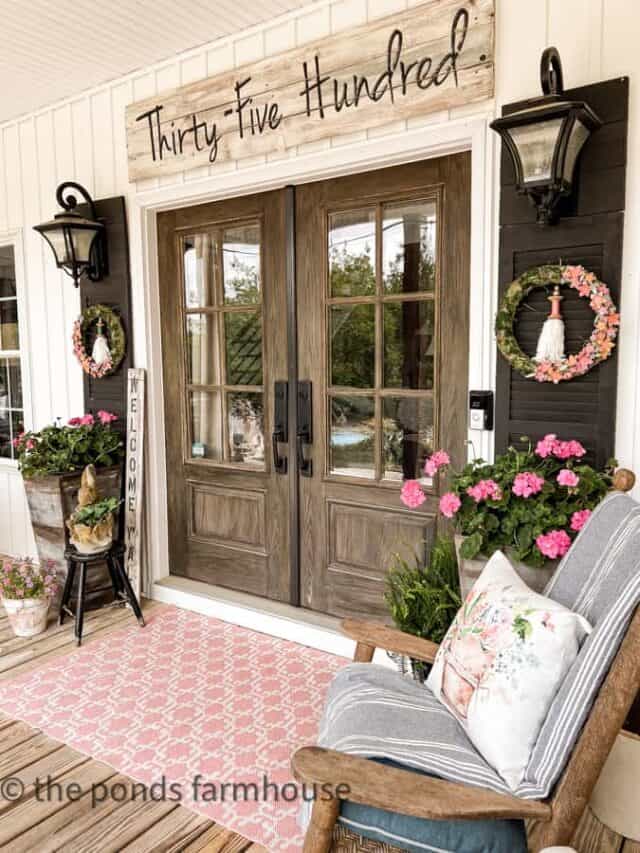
[[224, 346], [382, 285]]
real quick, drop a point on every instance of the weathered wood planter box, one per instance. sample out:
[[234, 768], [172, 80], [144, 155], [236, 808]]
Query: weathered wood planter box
[[51, 501]]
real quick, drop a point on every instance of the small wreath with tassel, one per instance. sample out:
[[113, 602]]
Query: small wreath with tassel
[[109, 345], [550, 364]]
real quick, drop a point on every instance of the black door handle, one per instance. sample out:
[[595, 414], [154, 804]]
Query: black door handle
[[280, 425], [304, 438]]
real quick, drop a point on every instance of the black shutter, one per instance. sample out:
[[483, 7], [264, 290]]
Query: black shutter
[[110, 393], [588, 232]]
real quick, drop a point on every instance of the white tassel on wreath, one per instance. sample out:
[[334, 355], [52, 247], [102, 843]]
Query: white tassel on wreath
[[101, 351], [551, 340]]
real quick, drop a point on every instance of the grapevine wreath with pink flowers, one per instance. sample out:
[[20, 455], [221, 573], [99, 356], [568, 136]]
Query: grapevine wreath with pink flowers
[[597, 348], [115, 336]]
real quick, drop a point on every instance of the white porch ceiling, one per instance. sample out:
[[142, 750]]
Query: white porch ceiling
[[53, 49]]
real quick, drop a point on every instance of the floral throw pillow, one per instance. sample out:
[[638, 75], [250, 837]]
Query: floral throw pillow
[[502, 662]]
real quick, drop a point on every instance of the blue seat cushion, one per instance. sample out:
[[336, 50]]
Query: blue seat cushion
[[433, 836]]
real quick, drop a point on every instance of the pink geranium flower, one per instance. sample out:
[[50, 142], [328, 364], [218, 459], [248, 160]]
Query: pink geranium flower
[[436, 461], [579, 519], [568, 449], [546, 445], [74, 422], [411, 494], [106, 417], [554, 544], [87, 420], [568, 478], [449, 504], [526, 484], [484, 489]]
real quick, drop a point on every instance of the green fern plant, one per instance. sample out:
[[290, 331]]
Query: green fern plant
[[424, 600]]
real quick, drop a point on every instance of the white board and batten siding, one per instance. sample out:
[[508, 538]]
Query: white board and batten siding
[[84, 139]]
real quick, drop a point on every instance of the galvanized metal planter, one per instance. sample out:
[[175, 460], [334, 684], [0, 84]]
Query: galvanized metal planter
[[470, 570]]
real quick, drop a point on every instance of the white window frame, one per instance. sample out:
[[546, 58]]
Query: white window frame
[[15, 240]]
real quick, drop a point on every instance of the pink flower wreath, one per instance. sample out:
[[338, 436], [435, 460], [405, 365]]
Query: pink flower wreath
[[116, 340], [596, 349], [86, 362]]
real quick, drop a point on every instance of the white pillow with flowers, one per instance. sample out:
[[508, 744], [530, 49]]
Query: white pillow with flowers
[[502, 662]]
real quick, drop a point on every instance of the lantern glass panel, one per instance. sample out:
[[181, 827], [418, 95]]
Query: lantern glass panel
[[55, 237], [578, 137], [536, 144], [82, 240]]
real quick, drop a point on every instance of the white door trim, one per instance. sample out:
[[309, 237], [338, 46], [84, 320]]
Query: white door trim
[[470, 134]]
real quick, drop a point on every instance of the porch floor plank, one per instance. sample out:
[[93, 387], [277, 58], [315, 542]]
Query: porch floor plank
[[171, 834], [74, 825]]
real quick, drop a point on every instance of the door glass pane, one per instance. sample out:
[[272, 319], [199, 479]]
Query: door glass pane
[[206, 425], [245, 415], [9, 338], [352, 442], [352, 253], [408, 436], [353, 329], [198, 261], [241, 264], [409, 344], [202, 349], [243, 347], [409, 247]]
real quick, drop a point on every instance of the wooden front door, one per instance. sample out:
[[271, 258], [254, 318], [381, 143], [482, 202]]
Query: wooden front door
[[223, 297], [383, 295], [381, 283]]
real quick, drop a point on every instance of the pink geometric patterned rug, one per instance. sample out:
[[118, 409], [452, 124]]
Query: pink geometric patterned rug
[[188, 695]]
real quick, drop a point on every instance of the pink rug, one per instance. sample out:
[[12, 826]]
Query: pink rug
[[187, 695]]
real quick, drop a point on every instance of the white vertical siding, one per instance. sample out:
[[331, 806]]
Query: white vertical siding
[[83, 139]]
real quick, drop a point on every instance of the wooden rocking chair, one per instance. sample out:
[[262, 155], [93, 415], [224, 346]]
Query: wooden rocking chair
[[552, 821]]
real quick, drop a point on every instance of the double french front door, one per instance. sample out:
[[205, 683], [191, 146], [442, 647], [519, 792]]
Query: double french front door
[[285, 450]]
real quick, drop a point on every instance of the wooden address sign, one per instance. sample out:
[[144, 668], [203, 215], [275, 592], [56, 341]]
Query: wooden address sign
[[436, 56]]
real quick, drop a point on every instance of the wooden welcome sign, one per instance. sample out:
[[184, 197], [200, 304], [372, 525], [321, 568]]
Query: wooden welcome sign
[[436, 56]]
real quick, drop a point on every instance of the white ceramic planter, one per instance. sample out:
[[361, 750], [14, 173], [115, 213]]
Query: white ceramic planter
[[470, 570], [27, 617]]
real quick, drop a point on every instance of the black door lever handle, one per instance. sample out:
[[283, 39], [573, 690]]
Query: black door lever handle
[[280, 425], [279, 462], [304, 438]]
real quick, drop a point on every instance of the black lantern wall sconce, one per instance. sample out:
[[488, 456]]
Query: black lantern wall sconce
[[544, 138], [78, 242]]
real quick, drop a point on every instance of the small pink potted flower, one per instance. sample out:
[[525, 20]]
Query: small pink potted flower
[[27, 589], [530, 503]]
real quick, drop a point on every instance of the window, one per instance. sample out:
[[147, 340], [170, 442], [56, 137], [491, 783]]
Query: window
[[223, 314], [11, 399], [382, 321]]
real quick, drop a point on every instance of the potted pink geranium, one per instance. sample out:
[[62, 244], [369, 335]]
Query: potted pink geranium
[[529, 503], [27, 590]]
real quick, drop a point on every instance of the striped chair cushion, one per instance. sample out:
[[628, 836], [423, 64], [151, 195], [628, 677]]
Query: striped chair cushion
[[600, 579], [375, 712]]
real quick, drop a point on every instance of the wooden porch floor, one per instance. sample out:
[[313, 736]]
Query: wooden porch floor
[[32, 826]]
